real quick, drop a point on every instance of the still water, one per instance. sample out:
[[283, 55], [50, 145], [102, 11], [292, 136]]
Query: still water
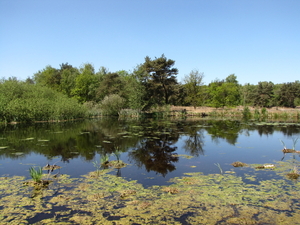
[[155, 150]]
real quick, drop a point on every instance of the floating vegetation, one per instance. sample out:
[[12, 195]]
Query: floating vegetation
[[3, 147], [192, 199], [268, 166], [238, 164], [286, 150], [51, 167], [117, 164], [171, 190], [293, 176], [127, 193]]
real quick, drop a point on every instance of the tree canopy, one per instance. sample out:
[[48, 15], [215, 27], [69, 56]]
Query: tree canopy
[[160, 79]]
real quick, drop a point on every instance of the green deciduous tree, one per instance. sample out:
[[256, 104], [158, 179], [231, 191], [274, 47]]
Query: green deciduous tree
[[247, 94], [193, 83], [48, 77], [224, 92], [68, 78], [263, 96], [86, 84]]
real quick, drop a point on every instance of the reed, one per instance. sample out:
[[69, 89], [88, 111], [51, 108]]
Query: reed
[[36, 174]]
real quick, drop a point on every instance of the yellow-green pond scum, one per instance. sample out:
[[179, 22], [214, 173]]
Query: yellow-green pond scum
[[102, 198]]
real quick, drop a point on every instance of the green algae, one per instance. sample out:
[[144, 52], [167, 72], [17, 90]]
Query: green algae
[[194, 198]]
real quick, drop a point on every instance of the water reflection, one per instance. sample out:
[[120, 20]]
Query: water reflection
[[149, 144], [194, 142]]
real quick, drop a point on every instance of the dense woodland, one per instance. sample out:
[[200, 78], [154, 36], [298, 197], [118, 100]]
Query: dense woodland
[[69, 92]]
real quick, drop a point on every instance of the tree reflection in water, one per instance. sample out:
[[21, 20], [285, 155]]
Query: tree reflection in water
[[194, 143], [156, 153]]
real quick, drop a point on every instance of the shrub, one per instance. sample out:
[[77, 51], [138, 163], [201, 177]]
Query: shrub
[[28, 103], [246, 113], [112, 104]]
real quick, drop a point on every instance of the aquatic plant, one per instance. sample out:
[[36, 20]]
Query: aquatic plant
[[192, 199], [104, 159], [294, 174], [284, 146], [238, 164], [118, 155], [286, 150], [295, 142], [267, 166], [36, 175], [220, 168]]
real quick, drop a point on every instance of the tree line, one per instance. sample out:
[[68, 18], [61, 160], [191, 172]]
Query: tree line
[[151, 84]]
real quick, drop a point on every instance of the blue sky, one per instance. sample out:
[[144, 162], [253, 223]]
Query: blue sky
[[257, 40]]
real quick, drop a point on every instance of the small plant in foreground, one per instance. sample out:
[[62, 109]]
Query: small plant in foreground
[[36, 175]]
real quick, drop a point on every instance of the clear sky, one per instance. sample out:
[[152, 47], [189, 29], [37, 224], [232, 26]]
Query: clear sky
[[257, 40]]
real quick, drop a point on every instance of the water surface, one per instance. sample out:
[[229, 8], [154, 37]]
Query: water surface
[[156, 150]]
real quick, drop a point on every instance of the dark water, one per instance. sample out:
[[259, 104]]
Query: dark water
[[156, 150]]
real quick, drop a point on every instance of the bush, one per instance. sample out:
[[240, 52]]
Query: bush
[[112, 104], [246, 113]]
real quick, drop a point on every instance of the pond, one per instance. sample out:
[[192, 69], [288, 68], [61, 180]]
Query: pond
[[162, 161]]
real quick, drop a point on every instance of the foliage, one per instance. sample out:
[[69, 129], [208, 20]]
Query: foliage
[[192, 86], [224, 93], [112, 104], [85, 84], [264, 94], [111, 83], [21, 101], [247, 92], [159, 79], [151, 84], [48, 77], [246, 113], [288, 93]]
